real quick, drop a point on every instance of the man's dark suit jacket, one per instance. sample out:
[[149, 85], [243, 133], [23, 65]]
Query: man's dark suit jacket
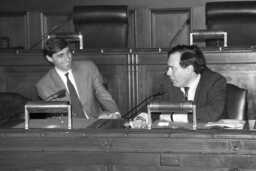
[[93, 95], [210, 97]]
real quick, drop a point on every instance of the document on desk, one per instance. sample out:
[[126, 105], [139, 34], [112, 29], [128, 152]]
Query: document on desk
[[171, 125], [227, 124]]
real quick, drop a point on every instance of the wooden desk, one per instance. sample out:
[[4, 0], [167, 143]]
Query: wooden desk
[[125, 150]]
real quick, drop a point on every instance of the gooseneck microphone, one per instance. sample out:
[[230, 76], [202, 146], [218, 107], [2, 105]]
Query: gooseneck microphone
[[187, 22], [160, 93], [59, 94]]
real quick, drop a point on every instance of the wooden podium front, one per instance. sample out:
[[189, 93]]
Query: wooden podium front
[[125, 149], [60, 122]]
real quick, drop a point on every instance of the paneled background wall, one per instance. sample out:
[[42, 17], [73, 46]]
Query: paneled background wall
[[152, 23]]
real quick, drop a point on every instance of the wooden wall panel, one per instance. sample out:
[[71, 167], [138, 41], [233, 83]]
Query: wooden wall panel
[[126, 149], [57, 22], [115, 78], [145, 11], [132, 34], [34, 28], [22, 79], [14, 25], [169, 25], [151, 79], [3, 80], [51, 23]]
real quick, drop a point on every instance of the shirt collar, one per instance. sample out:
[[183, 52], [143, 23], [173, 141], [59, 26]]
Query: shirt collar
[[60, 72], [193, 84]]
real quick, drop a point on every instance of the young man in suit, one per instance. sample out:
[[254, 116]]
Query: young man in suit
[[187, 68], [81, 80]]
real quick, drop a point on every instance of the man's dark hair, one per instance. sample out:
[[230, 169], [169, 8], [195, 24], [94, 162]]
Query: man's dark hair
[[190, 55], [54, 45]]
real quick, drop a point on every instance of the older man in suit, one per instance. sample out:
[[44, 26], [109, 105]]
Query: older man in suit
[[82, 81], [188, 71]]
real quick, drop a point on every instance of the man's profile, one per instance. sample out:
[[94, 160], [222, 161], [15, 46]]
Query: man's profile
[[188, 71]]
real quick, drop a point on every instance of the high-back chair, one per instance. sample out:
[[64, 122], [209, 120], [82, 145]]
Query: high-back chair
[[237, 18], [102, 26], [236, 103]]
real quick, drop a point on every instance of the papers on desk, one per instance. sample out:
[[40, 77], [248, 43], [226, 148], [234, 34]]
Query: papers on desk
[[227, 124], [172, 125], [163, 124]]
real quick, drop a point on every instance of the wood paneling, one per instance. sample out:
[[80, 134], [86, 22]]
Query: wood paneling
[[132, 29], [124, 149], [54, 22], [169, 25], [14, 25], [151, 23]]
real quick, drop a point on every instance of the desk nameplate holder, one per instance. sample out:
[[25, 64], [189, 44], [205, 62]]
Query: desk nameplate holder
[[69, 37], [157, 106], [208, 34], [48, 107]]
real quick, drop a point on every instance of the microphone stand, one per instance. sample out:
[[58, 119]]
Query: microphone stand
[[179, 31], [59, 94], [140, 109], [136, 107], [122, 123], [149, 97]]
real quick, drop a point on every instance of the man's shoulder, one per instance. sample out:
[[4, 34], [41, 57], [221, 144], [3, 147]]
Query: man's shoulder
[[210, 74], [84, 66], [210, 78], [46, 77]]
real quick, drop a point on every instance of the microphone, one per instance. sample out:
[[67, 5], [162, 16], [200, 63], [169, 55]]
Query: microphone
[[187, 22], [159, 93], [59, 94], [53, 30]]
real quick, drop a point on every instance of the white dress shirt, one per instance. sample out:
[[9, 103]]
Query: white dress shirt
[[72, 80], [191, 95]]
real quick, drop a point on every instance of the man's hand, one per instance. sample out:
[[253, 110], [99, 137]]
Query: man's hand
[[108, 115], [140, 121], [139, 124]]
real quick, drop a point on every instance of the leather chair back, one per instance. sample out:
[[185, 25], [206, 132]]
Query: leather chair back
[[102, 26], [237, 18], [236, 103]]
